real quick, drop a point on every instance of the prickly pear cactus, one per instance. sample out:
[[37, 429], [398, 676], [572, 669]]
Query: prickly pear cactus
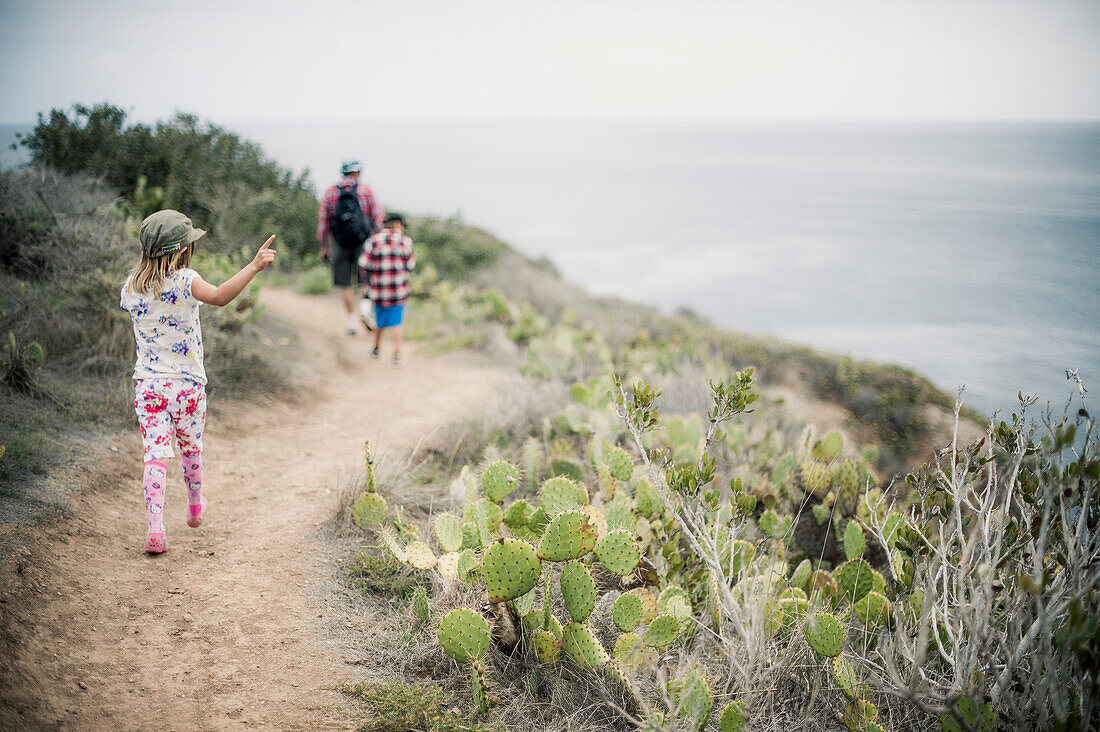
[[510, 568], [695, 698], [859, 714], [569, 535], [498, 479], [517, 514], [448, 531], [966, 715], [578, 590], [618, 462], [873, 610], [733, 718], [618, 551], [560, 493], [662, 631], [420, 555], [821, 584], [464, 635], [846, 677], [854, 579], [626, 613], [582, 647], [369, 510], [801, 574], [547, 647], [854, 540], [824, 634], [629, 652]]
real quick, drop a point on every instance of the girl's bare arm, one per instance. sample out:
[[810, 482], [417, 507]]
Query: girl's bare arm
[[227, 291]]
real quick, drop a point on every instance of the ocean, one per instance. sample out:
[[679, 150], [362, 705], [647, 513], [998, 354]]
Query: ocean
[[966, 251]]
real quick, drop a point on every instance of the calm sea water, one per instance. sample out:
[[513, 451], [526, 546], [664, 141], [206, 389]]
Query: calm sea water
[[968, 252]]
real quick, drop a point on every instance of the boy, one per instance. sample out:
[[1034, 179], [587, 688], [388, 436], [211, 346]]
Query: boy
[[386, 260]]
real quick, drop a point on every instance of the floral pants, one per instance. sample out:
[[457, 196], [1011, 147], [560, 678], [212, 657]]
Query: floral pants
[[170, 406]]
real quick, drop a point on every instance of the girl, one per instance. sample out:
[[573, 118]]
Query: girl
[[162, 295]]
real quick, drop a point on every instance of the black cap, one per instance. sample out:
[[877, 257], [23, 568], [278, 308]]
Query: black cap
[[393, 218]]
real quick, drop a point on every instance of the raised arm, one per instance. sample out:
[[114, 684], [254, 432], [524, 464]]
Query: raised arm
[[227, 291]]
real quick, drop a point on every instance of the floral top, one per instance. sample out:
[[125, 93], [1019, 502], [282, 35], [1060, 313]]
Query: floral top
[[166, 330]]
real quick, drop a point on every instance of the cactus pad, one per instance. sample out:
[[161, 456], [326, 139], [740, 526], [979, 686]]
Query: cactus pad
[[464, 635], [662, 631], [560, 493], [629, 651], [859, 714], [854, 541], [649, 603], [393, 544], [524, 603], [974, 718], [620, 514], [498, 479], [469, 566], [596, 518], [447, 566], [618, 551], [627, 612], [369, 510], [547, 647], [420, 555], [510, 568], [582, 647], [569, 535], [801, 574], [854, 579], [846, 677], [824, 634], [733, 717], [517, 514], [668, 597], [578, 589], [448, 531], [695, 698], [873, 610], [618, 462]]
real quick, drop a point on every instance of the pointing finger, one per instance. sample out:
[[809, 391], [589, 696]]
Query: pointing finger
[[268, 242]]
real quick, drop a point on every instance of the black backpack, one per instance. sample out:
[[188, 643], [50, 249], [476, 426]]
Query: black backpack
[[350, 227]]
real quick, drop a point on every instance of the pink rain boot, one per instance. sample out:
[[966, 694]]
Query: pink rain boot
[[152, 483], [192, 476]]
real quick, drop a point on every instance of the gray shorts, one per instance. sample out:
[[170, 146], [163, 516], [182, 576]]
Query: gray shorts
[[345, 266]]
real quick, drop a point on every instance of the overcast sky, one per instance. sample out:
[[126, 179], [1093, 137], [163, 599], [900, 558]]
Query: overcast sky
[[272, 60]]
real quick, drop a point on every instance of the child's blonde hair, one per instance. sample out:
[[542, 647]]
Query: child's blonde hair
[[149, 273]]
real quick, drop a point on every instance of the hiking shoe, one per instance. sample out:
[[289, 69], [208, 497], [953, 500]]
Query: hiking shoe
[[195, 514], [155, 543], [397, 360], [375, 354]]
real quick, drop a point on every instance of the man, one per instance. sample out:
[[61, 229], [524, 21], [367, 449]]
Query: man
[[387, 261], [349, 214]]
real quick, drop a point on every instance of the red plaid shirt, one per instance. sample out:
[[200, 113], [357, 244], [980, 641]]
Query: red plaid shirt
[[387, 259], [371, 209]]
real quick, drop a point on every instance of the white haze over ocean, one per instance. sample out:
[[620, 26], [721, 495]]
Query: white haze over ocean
[[967, 251]]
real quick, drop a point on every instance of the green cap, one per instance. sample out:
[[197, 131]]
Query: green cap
[[166, 232]]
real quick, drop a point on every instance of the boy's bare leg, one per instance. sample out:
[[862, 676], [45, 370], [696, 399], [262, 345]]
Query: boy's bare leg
[[378, 339], [398, 336]]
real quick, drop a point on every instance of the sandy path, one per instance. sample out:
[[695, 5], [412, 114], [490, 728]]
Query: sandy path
[[222, 631]]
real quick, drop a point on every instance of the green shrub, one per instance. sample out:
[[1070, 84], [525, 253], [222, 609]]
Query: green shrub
[[224, 183], [315, 281]]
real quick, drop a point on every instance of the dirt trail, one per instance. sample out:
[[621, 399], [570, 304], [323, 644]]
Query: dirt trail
[[224, 630]]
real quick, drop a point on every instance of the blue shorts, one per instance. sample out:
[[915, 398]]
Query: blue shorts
[[389, 317]]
